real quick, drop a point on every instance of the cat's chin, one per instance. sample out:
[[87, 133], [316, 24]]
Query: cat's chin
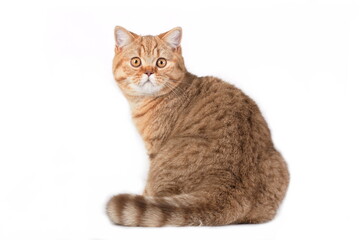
[[147, 89]]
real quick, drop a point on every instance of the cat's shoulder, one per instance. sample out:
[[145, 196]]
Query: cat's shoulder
[[224, 90]]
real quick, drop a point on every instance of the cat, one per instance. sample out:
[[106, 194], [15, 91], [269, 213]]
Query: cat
[[212, 159]]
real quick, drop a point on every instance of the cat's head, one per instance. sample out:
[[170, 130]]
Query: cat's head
[[148, 65]]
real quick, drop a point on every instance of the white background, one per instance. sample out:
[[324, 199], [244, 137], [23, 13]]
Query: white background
[[67, 142]]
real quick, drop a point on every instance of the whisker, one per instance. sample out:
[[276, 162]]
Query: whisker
[[177, 91], [172, 89]]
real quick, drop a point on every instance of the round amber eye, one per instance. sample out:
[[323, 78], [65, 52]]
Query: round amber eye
[[135, 62], [161, 62]]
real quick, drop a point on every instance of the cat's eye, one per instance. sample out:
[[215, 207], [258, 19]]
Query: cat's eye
[[161, 62], [135, 62]]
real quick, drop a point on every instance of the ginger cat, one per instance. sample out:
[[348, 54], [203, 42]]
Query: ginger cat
[[212, 160]]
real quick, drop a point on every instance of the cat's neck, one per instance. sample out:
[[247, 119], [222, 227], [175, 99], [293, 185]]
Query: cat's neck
[[137, 103], [155, 117]]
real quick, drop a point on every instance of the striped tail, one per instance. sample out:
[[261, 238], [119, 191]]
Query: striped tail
[[177, 210]]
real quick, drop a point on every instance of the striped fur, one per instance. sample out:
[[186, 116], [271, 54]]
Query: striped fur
[[212, 159], [177, 210]]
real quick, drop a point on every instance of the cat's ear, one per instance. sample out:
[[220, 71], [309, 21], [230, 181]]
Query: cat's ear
[[172, 37], [123, 37]]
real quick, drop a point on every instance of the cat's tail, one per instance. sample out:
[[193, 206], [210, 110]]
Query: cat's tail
[[177, 210]]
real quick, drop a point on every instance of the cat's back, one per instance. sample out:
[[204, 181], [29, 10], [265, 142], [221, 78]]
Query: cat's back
[[219, 109], [209, 89], [218, 99]]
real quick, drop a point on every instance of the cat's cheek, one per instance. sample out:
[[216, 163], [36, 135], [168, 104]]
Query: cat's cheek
[[173, 72], [156, 79], [174, 76], [119, 75], [125, 85]]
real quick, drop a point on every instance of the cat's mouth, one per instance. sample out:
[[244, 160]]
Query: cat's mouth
[[148, 86], [147, 82]]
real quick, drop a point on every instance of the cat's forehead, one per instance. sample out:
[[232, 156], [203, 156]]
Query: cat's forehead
[[148, 43], [150, 46]]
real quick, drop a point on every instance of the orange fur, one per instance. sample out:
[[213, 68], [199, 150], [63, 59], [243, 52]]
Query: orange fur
[[211, 153]]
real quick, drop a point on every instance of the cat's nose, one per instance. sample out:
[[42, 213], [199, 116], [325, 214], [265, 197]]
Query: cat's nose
[[148, 73]]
